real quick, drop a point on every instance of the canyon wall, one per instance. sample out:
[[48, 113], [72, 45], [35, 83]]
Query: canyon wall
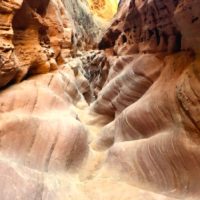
[[36, 37], [117, 122], [85, 26], [152, 93]]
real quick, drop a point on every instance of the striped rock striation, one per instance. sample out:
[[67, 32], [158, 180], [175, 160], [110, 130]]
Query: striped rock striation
[[117, 122], [152, 94]]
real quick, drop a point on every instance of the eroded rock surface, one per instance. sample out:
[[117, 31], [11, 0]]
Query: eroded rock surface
[[117, 123], [152, 93], [36, 37]]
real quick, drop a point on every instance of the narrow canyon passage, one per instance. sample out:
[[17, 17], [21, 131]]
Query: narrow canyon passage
[[99, 100]]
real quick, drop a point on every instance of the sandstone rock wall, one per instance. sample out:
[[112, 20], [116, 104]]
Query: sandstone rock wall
[[154, 26], [151, 91], [36, 36], [138, 139], [85, 26]]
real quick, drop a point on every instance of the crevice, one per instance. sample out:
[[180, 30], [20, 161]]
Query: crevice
[[49, 154]]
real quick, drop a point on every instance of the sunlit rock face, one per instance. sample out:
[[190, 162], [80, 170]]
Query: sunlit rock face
[[37, 36], [105, 9]]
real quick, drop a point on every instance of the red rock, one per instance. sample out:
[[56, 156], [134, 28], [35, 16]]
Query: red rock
[[138, 139]]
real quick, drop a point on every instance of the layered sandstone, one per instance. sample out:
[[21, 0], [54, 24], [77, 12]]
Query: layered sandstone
[[36, 37], [117, 123], [152, 91], [87, 30]]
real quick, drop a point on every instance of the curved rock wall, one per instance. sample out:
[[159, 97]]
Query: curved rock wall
[[153, 26], [152, 91], [138, 139], [36, 37]]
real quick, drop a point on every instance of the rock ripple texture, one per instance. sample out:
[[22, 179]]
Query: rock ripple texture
[[119, 122]]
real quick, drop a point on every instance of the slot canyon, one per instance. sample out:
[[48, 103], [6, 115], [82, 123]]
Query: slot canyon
[[99, 99]]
